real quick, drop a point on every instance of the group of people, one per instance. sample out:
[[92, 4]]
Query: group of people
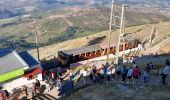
[[132, 73], [127, 74], [98, 75], [52, 78], [4, 95], [35, 91]]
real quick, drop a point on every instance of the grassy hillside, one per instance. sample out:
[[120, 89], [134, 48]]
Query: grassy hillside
[[141, 32], [113, 92], [66, 24], [165, 48]]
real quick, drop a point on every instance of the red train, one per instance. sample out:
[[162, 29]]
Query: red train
[[88, 52]]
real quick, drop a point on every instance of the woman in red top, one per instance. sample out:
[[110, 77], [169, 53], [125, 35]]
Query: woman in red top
[[135, 74]]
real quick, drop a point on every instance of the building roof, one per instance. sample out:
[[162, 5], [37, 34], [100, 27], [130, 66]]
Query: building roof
[[31, 61], [4, 52], [81, 50], [10, 61]]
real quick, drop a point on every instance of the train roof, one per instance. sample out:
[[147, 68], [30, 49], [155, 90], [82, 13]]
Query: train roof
[[81, 50]]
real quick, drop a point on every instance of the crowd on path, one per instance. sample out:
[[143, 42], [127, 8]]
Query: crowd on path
[[128, 74], [35, 89]]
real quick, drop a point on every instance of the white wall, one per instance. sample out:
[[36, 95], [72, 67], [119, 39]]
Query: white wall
[[16, 83]]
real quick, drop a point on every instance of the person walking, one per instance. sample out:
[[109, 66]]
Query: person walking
[[165, 72]]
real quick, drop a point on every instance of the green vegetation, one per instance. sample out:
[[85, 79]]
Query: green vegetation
[[63, 25]]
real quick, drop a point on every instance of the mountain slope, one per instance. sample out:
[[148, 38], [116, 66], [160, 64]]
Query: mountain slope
[[69, 23], [141, 33]]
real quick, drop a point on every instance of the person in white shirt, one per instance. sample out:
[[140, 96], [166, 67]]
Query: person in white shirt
[[101, 75], [108, 73], [83, 74], [146, 75], [165, 71]]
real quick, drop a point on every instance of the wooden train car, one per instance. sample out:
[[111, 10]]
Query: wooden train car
[[88, 52]]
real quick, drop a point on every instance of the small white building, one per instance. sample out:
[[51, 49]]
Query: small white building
[[18, 69]]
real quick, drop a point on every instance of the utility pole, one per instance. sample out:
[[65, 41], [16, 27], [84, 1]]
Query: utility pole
[[110, 29], [37, 44], [124, 48], [120, 34]]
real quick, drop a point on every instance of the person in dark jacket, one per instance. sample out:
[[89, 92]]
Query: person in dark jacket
[[37, 87], [124, 73]]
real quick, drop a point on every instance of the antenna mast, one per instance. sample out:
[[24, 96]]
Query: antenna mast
[[121, 36], [37, 44]]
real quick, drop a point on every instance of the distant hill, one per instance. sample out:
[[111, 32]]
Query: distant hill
[[11, 8], [65, 24]]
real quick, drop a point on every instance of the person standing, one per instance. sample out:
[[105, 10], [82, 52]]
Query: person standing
[[146, 75], [94, 73], [148, 67], [135, 75], [165, 72], [118, 70], [124, 73], [2, 95], [134, 64], [108, 74], [101, 75], [91, 76], [44, 74], [37, 87], [129, 74], [83, 74], [53, 75]]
